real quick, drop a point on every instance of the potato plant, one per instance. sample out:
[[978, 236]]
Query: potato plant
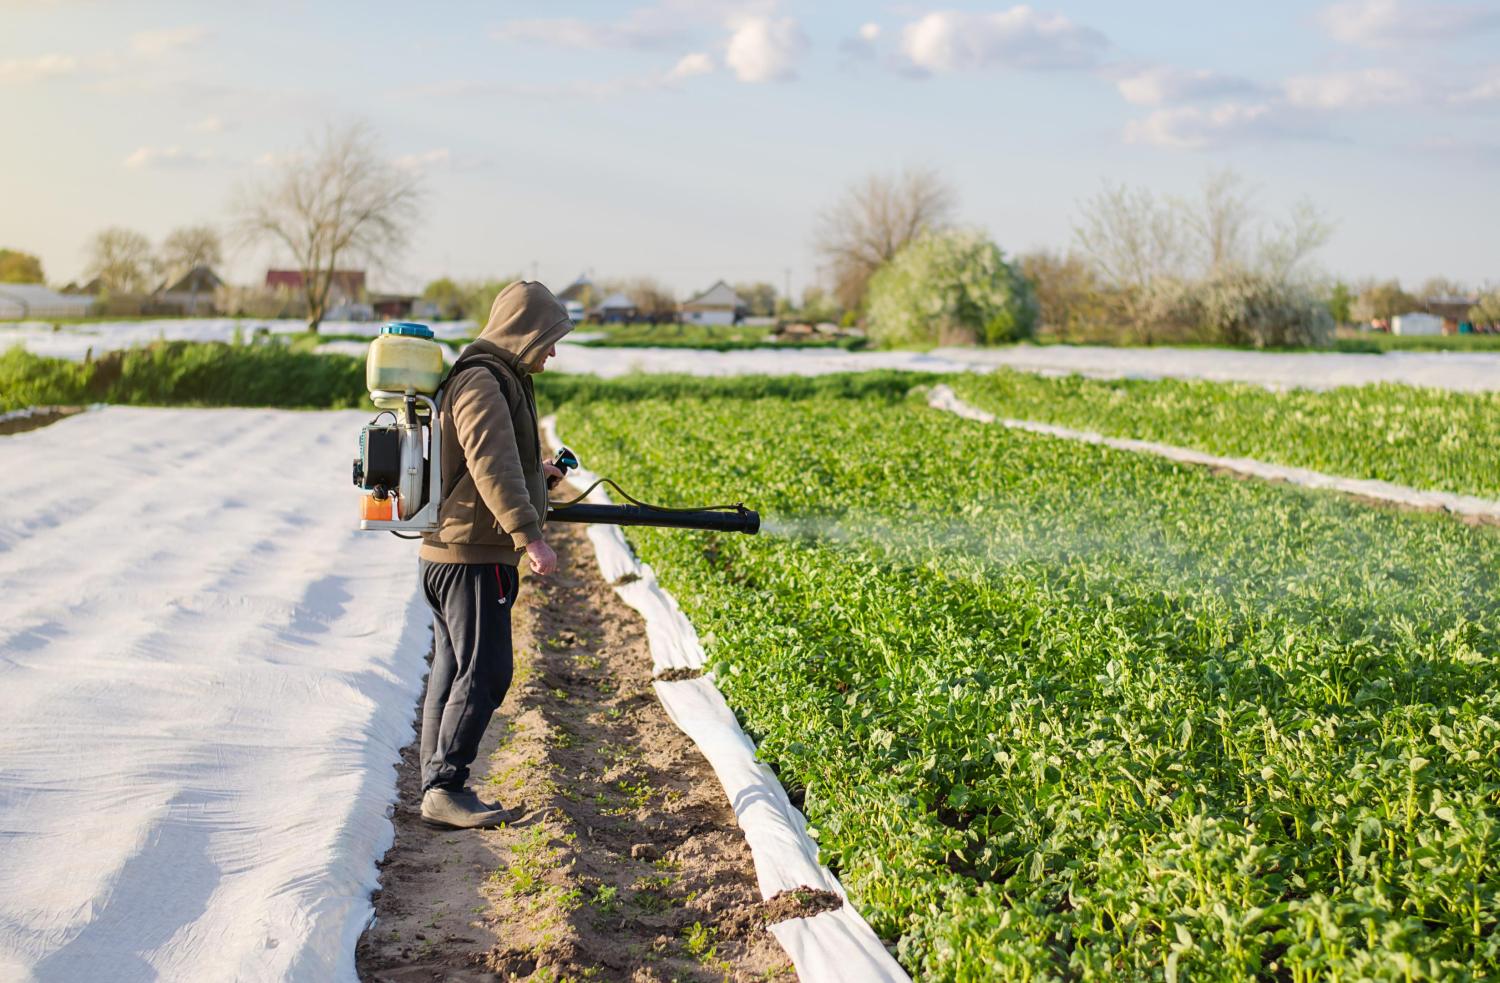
[[1064, 712], [1425, 438]]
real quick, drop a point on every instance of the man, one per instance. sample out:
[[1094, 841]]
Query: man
[[493, 510]]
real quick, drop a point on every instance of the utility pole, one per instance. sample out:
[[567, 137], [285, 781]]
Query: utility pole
[[788, 294]]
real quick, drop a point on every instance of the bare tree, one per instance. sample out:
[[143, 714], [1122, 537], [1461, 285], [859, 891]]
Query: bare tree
[[343, 202], [651, 297], [1131, 237], [1219, 221], [184, 250], [1303, 232], [122, 260], [873, 220], [1440, 286], [188, 247]]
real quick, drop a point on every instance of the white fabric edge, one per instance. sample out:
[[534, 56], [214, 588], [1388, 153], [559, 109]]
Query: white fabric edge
[[941, 397], [832, 946]]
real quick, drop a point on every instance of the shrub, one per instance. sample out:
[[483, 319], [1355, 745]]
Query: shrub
[[950, 287], [1252, 309]]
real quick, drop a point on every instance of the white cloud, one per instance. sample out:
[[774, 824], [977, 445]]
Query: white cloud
[[1162, 84], [36, 69], [167, 157], [691, 65], [436, 157], [1395, 23], [154, 44], [1021, 37], [1485, 89], [869, 32], [209, 124], [1353, 90], [765, 50], [1193, 128]]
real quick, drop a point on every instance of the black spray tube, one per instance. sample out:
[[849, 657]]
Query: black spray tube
[[740, 520]]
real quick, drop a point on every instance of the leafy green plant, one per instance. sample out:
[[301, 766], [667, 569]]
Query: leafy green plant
[[1066, 712], [1426, 438]]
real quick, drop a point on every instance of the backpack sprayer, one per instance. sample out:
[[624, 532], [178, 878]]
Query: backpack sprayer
[[400, 463]]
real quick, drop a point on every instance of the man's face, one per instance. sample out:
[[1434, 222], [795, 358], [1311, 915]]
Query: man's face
[[541, 363]]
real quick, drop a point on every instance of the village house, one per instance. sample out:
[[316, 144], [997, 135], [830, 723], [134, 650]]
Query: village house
[[614, 309], [190, 294], [719, 304]]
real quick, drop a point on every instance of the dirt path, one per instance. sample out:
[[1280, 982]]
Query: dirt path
[[628, 864]]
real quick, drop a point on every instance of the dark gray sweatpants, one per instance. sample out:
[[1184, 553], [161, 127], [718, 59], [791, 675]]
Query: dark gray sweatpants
[[471, 663]]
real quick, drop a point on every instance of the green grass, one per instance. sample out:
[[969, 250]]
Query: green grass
[[1425, 438], [1376, 343], [721, 338], [1061, 712], [180, 373]]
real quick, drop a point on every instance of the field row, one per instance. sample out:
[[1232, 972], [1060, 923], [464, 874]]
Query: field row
[[1062, 711], [1426, 438]]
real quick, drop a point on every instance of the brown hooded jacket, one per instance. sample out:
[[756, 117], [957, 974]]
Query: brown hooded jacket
[[494, 490]]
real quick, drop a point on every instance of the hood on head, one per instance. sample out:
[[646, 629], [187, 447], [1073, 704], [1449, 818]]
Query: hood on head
[[525, 321]]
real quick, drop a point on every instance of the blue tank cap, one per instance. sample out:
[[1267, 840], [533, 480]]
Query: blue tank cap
[[409, 328]]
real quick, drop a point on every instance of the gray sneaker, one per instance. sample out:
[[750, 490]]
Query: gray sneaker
[[463, 810]]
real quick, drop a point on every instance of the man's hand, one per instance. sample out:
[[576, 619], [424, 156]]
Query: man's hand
[[543, 560], [552, 471]]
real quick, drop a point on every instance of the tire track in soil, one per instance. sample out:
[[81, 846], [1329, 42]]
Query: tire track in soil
[[628, 864]]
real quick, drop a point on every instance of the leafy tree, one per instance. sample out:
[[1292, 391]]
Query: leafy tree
[[1072, 302], [818, 305], [1383, 301], [1487, 311], [447, 295], [759, 297], [19, 267], [947, 287], [873, 221], [1341, 303], [122, 260], [480, 297]]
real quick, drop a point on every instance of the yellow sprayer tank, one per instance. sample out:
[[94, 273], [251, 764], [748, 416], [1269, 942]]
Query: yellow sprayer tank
[[404, 358]]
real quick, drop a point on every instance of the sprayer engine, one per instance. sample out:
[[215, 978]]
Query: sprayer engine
[[399, 464]]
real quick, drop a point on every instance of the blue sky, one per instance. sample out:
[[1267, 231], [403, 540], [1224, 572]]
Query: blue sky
[[697, 140]]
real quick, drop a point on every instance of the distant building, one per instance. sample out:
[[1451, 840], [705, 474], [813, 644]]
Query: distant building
[[348, 286], [718, 304], [616, 309], [1453, 310], [22, 301], [580, 291], [192, 293], [1416, 323]]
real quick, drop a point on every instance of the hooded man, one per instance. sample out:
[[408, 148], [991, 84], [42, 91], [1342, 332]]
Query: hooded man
[[491, 516]]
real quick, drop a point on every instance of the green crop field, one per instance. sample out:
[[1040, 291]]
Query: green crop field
[[1061, 712], [1426, 438]]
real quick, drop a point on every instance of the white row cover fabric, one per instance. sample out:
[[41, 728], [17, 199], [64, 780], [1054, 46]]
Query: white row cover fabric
[[206, 679], [943, 398], [832, 946]]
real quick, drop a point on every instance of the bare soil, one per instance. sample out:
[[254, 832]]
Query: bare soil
[[39, 417], [627, 864]]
